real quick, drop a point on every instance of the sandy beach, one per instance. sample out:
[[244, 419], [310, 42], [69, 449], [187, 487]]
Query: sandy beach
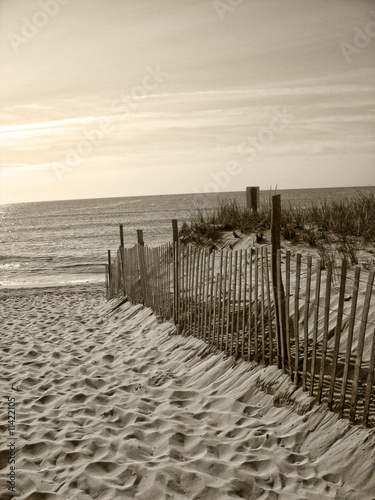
[[116, 406]]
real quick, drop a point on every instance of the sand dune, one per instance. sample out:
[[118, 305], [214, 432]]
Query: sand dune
[[115, 406]]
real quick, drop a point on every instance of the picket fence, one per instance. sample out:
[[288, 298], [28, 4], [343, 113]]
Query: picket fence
[[264, 305]]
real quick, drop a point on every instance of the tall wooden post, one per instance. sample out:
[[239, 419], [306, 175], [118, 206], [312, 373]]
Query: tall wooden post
[[176, 291], [109, 275], [142, 265], [277, 284], [252, 198], [122, 253]]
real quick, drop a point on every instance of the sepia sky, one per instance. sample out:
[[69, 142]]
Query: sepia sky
[[104, 98]]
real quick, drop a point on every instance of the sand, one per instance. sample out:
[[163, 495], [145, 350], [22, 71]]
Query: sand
[[115, 406]]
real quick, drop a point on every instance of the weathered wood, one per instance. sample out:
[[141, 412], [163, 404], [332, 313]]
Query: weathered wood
[[316, 324], [211, 277], [250, 303], [244, 305], [361, 341], [275, 241], [252, 198], [215, 324], [337, 333], [219, 297], [256, 299], [349, 340], [196, 271], [175, 229], [281, 309], [121, 235], [233, 311], [262, 308], [109, 266], [207, 286], [306, 322], [201, 305], [229, 316], [325, 330], [296, 316], [370, 377], [287, 311], [237, 336], [269, 307], [224, 297], [106, 281]]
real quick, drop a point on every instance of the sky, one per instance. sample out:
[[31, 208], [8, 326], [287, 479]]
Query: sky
[[102, 98]]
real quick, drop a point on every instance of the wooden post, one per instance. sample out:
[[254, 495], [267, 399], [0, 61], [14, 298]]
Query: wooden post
[[279, 297], [175, 272], [109, 267], [121, 235], [106, 281], [142, 271], [252, 198]]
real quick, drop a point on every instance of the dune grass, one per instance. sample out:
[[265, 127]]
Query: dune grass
[[332, 226]]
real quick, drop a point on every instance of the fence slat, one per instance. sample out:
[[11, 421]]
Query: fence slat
[[306, 322], [349, 340], [256, 274], [224, 296], [250, 303], [337, 333], [233, 309], [262, 309], [369, 383], [361, 341], [211, 277], [296, 316], [244, 305], [219, 297], [281, 305], [316, 324], [229, 293], [325, 330]]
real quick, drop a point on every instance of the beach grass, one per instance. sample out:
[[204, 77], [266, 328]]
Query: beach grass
[[333, 226]]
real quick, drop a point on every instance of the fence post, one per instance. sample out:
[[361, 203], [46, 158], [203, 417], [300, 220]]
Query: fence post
[[142, 270], [176, 295], [109, 268], [252, 198], [122, 253], [278, 292]]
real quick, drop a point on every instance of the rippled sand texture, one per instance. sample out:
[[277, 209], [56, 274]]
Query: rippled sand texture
[[116, 407]]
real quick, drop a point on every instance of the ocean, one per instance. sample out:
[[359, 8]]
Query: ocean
[[66, 242]]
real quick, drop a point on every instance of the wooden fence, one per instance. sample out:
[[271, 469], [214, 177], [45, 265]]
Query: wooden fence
[[264, 305]]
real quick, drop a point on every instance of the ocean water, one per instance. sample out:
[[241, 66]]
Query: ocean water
[[66, 242]]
